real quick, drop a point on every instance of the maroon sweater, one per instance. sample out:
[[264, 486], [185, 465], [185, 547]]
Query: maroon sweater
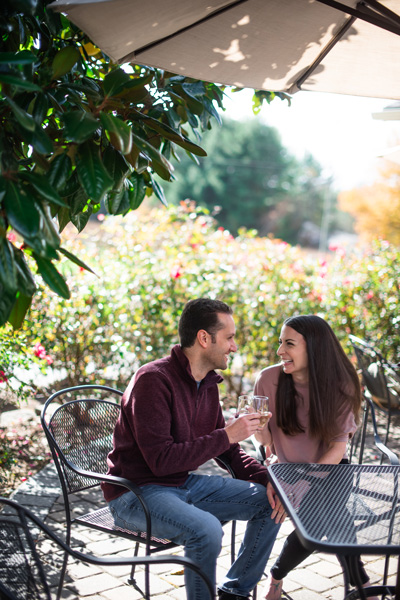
[[169, 427]]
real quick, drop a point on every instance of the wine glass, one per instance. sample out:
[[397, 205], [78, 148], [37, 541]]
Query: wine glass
[[248, 403]]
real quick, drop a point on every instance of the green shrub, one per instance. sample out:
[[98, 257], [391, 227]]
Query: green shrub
[[150, 264]]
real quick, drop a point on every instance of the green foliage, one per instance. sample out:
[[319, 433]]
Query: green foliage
[[255, 183], [129, 314], [19, 355], [76, 131]]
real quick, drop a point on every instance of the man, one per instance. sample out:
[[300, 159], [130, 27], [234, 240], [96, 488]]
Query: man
[[171, 423]]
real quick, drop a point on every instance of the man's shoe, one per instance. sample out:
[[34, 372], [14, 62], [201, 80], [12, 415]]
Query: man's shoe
[[227, 596]]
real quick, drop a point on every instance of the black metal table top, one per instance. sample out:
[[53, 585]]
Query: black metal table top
[[342, 509]]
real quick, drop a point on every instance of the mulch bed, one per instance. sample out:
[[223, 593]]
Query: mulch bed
[[23, 452]]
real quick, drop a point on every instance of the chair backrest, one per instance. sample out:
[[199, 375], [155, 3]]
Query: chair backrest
[[375, 373], [80, 431], [22, 574]]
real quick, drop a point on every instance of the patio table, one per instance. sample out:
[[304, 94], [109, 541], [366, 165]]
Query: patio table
[[345, 510]]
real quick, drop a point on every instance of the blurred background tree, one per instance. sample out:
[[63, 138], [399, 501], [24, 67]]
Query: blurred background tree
[[376, 208], [256, 183]]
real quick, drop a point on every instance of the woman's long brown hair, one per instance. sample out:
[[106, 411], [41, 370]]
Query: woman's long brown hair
[[333, 381]]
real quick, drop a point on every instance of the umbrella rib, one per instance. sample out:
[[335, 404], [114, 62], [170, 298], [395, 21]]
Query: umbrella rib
[[388, 20], [325, 51], [189, 27]]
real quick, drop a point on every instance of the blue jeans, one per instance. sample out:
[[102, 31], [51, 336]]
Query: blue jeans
[[191, 515]]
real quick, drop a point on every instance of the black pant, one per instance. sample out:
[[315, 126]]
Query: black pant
[[293, 553]]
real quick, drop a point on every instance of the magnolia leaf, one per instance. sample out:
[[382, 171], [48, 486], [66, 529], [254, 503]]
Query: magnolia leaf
[[26, 282], [64, 217], [118, 203], [79, 126], [52, 277], [154, 155], [92, 174], [21, 210], [40, 108], [19, 310], [76, 260], [64, 60], [137, 190], [158, 191], [80, 220], [39, 140], [44, 187], [116, 165], [23, 118], [19, 82], [8, 271], [17, 58], [118, 132], [60, 169], [7, 300], [115, 81]]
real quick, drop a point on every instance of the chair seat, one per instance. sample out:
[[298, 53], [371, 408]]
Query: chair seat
[[102, 519]]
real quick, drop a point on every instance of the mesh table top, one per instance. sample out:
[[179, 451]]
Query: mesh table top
[[342, 509]]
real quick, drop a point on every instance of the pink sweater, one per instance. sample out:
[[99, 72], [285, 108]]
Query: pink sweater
[[299, 448], [169, 427]]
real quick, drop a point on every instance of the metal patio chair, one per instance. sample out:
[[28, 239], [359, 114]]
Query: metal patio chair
[[380, 381], [79, 431], [25, 555]]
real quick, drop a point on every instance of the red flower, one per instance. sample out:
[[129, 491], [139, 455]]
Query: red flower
[[176, 273], [39, 350], [11, 237], [3, 377]]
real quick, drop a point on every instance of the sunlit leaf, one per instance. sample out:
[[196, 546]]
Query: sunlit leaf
[[76, 260], [19, 310], [52, 277], [64, 60], [118, 132]]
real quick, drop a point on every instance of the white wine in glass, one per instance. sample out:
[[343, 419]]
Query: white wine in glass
[[249, 403]]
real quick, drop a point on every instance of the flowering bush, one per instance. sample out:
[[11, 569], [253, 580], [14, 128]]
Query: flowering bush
[[19, 355], [149, 265]]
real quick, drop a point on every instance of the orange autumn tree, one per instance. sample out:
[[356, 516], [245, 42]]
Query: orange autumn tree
[[376, 208]]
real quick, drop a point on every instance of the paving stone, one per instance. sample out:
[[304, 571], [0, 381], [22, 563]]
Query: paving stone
[[125, 592], [95, 584], [310, 580]]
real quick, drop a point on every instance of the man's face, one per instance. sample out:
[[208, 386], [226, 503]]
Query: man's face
[[222, 343]]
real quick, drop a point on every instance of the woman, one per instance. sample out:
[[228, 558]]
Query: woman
[[315, 400]]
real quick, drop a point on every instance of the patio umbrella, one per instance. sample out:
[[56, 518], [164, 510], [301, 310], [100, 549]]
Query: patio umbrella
[[344, 47]]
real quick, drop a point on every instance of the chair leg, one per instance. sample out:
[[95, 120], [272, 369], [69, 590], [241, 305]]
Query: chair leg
[[62, 575], [132, 581], [233, 549]]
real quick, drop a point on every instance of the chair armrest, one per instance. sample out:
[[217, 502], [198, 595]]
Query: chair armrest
[[391, 456], [223, 461], [114, 479]]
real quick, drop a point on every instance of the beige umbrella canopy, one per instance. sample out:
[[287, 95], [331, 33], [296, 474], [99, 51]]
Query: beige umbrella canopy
[[344, 47]]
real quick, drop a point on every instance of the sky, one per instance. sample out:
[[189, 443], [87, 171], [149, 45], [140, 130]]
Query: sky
[[338, 130]]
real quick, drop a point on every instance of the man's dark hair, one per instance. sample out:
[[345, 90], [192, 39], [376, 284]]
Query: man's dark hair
[[201, 313]]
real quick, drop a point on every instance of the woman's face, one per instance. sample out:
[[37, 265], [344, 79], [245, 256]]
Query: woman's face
[[293, 353]]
